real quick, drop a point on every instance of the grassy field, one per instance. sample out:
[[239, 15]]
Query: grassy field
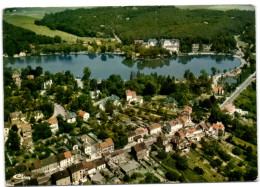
[[27, 22]]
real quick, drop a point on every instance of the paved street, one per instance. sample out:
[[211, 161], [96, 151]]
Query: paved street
[[239, 90], [58, 109]]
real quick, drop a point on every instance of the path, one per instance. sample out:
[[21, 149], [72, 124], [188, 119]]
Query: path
[[239, 90], [58, 109]]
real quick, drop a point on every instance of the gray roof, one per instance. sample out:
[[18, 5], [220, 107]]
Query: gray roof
[[152, 40], [72, 115], [50, 160], [129, 166], [60, 175]]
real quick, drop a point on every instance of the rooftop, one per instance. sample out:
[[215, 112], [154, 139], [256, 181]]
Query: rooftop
[[76, 167], [139, 147], [81, 113], [60, 175], [129, 166], [154, 126], [52, 121]]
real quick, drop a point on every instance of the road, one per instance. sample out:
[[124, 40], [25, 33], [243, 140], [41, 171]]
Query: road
[[58, 109], [239, 90]]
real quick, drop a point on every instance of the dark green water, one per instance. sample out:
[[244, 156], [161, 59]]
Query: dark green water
[[102, 66]]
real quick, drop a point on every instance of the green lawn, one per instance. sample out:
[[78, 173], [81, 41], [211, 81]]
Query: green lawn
[[27, 22]]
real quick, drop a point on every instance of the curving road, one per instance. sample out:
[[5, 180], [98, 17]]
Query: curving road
[[239, 90], [58, 109]]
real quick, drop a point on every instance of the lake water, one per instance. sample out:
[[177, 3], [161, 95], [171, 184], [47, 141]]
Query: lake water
[[102, 66]]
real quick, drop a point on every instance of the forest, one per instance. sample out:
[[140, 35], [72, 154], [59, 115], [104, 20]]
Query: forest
[[129, 23], [16, 39]]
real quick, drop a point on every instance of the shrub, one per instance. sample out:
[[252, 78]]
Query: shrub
[[198, 170], [172, 175]]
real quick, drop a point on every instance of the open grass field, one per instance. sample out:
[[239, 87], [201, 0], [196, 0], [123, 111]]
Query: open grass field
[[27, 22]]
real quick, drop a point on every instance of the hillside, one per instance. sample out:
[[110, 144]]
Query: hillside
[[199, 25]]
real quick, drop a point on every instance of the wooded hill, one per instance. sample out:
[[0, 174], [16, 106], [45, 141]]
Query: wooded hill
[[129, 23]]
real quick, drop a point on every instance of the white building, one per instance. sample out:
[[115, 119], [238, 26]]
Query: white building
[[71, 117], [83, 115], [155, 129], [53, 124], [47, 84], [173, 126], [65, 159], [131, 97], [172, 45]]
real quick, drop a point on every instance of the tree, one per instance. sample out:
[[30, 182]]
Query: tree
[[162, 154], [198, 170], [103, 48], [182, 163], [236, 151], [214, 70], [172, 175], [150, 89], [41, 131], [86, 76], [13, 141], [251, 174]]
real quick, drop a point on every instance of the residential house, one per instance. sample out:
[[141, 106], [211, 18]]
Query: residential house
[[140, 131], [66, 159], [61, 178], [231, 109], [217, 129], [218, 90], [95, 151], [173, 126], [107, 145], [47, 84], [26, 131], [205, 126], [22, 54], [94, 94], [180, 133], [163, 143], [195, 48], [46, 165], [188, 110], [71, 117], [140, 151], [30, 77], [17, 118], [113, 98], [130, 167], [155, 129], [83, 115], [181, 144], [118, 157], [131, 97], [90, 168], [190, 132], [77, 173], [206, 47], [152, 42], [172, 45], [138, 139], [100, 164], [53, 124], [17, 80], [37, 115], [138, 42]]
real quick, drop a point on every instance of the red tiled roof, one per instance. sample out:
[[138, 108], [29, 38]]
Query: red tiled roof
[[191, 130], [88, 165], [218, 126], [30, 76], [81, 113], [229, 107], [107, 143], [130, 93], [52, 121], [181, 133], [187, 108], [154, 126], [217, 89], [67, 154]]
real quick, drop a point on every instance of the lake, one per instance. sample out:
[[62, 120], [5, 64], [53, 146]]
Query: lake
[[102, 66]]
